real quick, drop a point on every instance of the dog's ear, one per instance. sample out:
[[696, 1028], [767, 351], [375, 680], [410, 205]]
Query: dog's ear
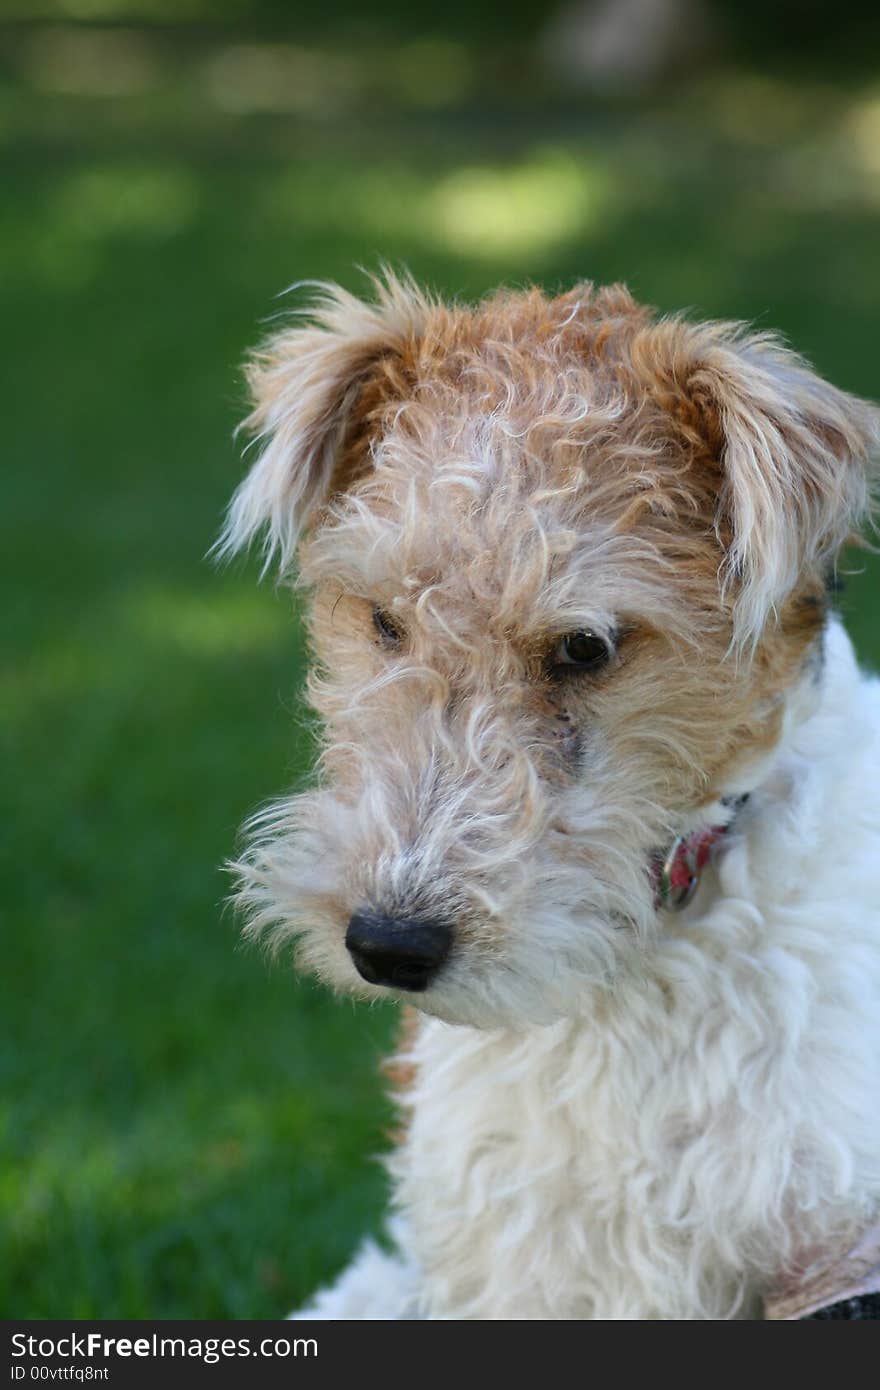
[[797, 457], [305, 383]]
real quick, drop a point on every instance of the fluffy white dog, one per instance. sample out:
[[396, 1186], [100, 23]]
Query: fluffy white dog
[[600, 796]]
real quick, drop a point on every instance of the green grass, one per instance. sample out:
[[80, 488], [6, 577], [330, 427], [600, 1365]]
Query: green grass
[[187, 1130]]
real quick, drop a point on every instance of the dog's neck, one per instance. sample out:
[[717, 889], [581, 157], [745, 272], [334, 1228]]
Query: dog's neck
[[676, 873], [676, 868]]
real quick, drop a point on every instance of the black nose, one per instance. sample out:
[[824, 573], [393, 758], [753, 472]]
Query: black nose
[[402, 952]]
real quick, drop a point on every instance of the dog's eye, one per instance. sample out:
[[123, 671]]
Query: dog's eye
[[388, 628], [580, 651]]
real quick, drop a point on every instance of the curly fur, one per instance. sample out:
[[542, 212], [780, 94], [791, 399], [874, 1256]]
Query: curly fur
[[612, 1112]]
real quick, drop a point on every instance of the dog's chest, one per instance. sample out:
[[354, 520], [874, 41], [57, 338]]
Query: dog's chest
[[532, 1164], [606, 1171]]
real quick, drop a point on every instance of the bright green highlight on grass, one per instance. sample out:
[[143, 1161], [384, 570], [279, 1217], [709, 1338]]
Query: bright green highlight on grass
[[186, 1130]]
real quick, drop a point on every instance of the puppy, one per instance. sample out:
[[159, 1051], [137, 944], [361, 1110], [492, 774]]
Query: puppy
[[599, 795]]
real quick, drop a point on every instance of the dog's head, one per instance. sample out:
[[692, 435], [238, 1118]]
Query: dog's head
[[565, 565]]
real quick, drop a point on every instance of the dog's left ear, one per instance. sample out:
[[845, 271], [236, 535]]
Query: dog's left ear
[[797, 457], [305, 383]]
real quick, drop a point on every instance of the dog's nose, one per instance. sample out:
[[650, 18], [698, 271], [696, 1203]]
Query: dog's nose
[[401, 952]]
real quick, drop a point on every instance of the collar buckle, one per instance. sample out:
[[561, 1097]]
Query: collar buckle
[[679, 876]]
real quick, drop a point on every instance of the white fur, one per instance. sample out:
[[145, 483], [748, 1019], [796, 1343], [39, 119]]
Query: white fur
[[376, 1286], [698, 1129]]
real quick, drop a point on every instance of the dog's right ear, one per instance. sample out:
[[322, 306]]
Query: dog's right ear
[[796, 460], [305, 383]]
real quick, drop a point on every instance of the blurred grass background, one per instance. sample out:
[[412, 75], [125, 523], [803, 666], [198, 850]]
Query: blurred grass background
[[186, 1130]]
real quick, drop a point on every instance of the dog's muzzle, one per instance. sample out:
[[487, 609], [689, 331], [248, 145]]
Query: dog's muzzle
[[399, 952]]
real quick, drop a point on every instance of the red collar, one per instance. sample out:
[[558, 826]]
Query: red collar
[[676, 875]]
